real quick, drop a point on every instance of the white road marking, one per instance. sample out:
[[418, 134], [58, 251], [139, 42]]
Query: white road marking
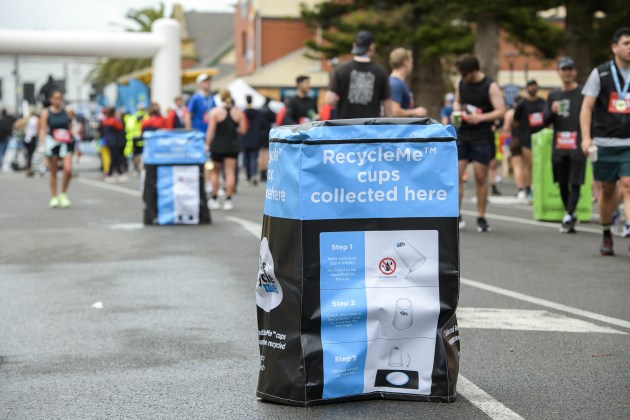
[[525, 320], [483, 401], [110, 187], [527, 221], [546, 303], [253, 228], [505, 199]]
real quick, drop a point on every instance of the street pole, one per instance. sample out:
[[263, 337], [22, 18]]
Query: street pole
[[18, 88]]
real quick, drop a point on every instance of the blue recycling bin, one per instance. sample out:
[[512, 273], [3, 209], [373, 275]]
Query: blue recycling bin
[[173, 184], [358, 273]]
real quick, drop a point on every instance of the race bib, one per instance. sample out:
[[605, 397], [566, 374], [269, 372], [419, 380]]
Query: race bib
[[535, 119], [566, 140], [619, 106], [61, 135]]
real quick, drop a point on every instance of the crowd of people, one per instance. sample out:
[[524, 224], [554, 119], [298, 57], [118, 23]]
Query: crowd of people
[[591, 120]]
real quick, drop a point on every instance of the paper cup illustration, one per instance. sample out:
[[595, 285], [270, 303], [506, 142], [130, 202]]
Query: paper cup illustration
[[403, 318], [395, 357], [410, 256]]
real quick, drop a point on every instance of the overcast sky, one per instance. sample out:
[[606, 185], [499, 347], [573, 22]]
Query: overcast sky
[[89, 14]]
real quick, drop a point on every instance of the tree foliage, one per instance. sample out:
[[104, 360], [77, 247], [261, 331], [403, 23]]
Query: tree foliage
[[111, 69]]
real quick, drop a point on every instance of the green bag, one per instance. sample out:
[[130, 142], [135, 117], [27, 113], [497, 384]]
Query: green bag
[[547, 203]]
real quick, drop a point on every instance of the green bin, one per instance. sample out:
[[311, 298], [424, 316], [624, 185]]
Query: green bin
[[547, 203]]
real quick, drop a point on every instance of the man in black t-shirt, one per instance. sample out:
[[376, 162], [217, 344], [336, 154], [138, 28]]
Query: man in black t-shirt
[[301, 108], [562, 110], [528, 118], [359, 87], [478, 102]]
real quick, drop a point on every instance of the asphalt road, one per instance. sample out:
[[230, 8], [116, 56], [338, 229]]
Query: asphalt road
[[544, 320]]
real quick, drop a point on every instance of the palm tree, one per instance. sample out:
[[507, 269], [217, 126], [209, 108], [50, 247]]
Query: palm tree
[[109, 70]]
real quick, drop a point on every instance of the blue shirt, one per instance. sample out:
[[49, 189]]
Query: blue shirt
[[447, 111], [198, 107], [400, 92]]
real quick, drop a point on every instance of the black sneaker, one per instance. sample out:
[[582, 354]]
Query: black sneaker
[[482, 225], [568, 224], [607, 246], [495, 191]]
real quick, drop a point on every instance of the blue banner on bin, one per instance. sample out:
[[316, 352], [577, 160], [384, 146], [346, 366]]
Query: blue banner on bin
[[176, 147], [365, 172]]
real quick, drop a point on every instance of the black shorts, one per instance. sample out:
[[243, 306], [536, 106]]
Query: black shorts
[[482, 152], [220, 157], [55, 152], [568, 168], [138, 145], [515, 146]]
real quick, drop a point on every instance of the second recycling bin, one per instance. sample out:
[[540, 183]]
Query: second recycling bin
[[173, 185], [358, 275]]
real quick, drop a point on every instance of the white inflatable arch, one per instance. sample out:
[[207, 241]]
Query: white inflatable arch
[[162, 43]]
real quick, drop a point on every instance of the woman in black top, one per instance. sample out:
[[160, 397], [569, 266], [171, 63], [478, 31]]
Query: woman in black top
[[225, 124], [55, 133]]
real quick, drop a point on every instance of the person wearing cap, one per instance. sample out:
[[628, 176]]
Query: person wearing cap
[[401, 62], [301, 108], [200, 105], [528, 119], [562, 111], [359, 87], [605, 124], [479, 101]]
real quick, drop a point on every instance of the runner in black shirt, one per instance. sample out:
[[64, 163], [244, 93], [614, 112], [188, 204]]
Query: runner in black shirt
[[479, 101], [359, 87], [562, 109], [301, 108], [528, 118]]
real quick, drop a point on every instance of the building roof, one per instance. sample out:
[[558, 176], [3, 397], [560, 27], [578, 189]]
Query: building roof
[[278, 8], [213, 34], [281, 73]]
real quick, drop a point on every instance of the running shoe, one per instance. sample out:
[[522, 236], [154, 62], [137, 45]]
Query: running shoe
[[228, 205], [521, 195], [63, 201], [462, 223], [53, 203], [213, 204], [482, 225], [122, 178], [495, 190], [607, 247], [568, 224]]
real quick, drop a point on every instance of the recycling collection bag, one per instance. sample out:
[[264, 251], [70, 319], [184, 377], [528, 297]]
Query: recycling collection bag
[[358, 277], [547, 203], [173, 181]]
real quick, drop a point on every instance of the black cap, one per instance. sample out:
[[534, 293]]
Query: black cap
[[531, 82], [362, 42], [566, 62]]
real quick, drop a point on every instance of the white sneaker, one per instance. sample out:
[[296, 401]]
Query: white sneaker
[[462, 223], [228, 205], [109, 179], [123, 178], [521, 195], [213, 204]]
